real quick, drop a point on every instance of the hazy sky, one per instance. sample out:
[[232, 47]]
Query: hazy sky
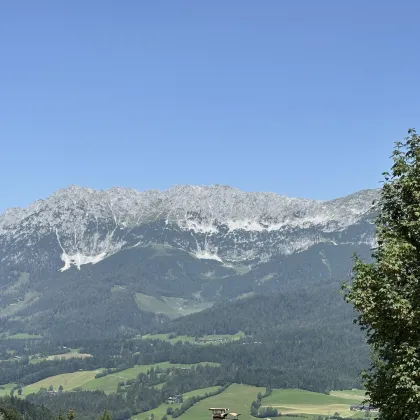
[[303, 98]]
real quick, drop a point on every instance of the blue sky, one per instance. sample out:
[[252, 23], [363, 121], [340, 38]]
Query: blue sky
[[300, 97]]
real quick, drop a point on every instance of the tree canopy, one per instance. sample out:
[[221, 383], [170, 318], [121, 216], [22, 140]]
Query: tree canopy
[[386, 292]]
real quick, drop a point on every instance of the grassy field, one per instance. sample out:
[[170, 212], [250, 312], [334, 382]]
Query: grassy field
[[165, 337], [294, 401], [23, 336], [109, 383], [160, 411], [222, 337], [170, 306], [67, 380], [73, 354], [87, 381], [207, 339], [237, 398], [26, 300], [350, 393]]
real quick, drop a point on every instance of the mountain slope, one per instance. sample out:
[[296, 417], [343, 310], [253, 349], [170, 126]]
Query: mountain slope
[[83, 259], [81, 226], [272, 316]]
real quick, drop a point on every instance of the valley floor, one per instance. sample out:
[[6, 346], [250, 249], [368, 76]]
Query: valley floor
[[238, 398]]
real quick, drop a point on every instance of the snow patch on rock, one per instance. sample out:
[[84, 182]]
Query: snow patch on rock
[[211, 222], [79, 259], [207, 255]]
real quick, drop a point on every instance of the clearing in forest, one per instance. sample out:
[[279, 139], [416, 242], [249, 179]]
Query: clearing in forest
[[109, 383]]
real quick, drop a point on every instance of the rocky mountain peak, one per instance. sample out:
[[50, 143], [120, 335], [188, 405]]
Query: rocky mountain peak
[[216, 222]]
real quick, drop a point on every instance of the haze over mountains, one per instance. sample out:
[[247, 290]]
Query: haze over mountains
[[129, 259]]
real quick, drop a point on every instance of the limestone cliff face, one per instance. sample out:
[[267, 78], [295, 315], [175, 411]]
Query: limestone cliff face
[[78, 226]]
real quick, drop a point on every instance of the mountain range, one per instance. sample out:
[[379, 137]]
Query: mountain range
[[121, 261]]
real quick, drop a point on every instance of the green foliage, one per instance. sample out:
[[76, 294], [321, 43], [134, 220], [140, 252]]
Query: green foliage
[[265, 412], [386, 292], [9, 414], [71, 415], [105, 416], [19, 409]]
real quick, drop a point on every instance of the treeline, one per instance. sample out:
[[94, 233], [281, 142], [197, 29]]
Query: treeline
[[89, 404], [29, 347], [23, 372], [19, 409], [109, 354], [257, 411], [194, 400]]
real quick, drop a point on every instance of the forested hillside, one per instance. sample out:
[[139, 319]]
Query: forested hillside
[[269, 316]]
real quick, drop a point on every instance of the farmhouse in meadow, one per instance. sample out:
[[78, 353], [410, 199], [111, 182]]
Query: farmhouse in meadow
[[174, 400]]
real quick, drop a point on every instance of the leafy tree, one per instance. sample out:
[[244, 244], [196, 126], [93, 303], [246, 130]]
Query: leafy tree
[[50, 388], [105, 416], [9, 414], [19, 391], [60, 388], [71, 415], [386, 292]]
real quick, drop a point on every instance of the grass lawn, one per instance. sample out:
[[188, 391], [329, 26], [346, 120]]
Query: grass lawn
[[67, 380], [237, 398], [295, 401], [109, 383], [160, 411]]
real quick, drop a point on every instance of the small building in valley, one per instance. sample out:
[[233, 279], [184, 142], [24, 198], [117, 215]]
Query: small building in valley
[[174, 400], [219, 413]]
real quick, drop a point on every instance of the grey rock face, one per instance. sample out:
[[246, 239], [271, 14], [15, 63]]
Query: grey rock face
[[78, 226]]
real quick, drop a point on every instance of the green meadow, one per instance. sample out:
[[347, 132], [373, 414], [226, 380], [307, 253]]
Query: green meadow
[[160, 411]]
